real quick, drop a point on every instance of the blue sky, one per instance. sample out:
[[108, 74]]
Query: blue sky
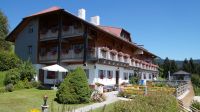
[[168, 28]]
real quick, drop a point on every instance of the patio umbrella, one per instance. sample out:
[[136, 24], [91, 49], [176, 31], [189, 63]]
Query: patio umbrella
[[56, 68]]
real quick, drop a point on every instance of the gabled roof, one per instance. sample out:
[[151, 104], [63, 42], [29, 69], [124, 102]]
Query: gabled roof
[[51, 9], [181, 72], [114, 30], [11, 37]]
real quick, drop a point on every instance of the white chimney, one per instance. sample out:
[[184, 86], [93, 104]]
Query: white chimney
[[81, 13], [95, 20]]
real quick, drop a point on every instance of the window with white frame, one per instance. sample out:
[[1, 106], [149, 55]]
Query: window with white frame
[[103, 53], [102, 74], [112, 56], [125, 59], [87, 73], [149, 76], [119, 58], [30, 50], [144, 76], [109, 74], [125, 76]]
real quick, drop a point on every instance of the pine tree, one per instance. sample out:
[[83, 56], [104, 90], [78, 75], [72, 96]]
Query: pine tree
[[185, 66], [74, 89], [173, 66], [191, 66], [4, 45], [166, 67]]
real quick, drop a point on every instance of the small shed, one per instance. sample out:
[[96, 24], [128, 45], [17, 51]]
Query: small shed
[[181, 75]]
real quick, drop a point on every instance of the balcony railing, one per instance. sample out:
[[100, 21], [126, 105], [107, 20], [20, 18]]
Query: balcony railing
[[48, 57], [72, 55], [67, 31], [71, 31], [48, 35], [105, 53]]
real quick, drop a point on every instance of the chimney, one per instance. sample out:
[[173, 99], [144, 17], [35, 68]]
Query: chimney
[[95, 20], [81, 13]]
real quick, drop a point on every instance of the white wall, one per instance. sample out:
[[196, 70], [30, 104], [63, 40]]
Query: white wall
[[94, 77], [37, 67]]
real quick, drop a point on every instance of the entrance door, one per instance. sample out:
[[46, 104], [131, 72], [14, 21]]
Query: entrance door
[[117, 77], [41, 75]]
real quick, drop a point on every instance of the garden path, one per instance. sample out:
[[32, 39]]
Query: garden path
[[110, 98]]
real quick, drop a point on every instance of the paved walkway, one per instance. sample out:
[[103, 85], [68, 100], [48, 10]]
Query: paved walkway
[[187, 99], [110, 98]]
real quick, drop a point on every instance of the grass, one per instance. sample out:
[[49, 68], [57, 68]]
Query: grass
[[2, 76], [27, 99], [150, 103]]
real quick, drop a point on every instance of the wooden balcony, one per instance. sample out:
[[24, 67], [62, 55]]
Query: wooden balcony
[[70, 56], [71, 31], [67, 31], [48, 35]]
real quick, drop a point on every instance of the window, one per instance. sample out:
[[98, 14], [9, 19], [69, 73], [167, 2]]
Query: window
[[30, 29], [87, 73], [144, 75], [149, 76], [125, 76], [119, 58], [51, 75], [64, 74], [109, 74], [112, 56], [102, 74], [131, 75], [125, 59], [103, 53], [30, 50]]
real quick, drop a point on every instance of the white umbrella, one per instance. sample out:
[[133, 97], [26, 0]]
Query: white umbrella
[[56, 68]]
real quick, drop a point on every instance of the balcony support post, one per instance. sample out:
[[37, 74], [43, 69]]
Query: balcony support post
[[60, 21], [85, 36]]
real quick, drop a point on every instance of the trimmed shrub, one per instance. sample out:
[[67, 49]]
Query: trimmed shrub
[[27, 71], [12, 76], [9, 87], [152, 103], [8, 61], [134, 79], [74, 89]]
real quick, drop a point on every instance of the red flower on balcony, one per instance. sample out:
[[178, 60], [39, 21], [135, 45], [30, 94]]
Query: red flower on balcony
[[113, 51], [105, 48]]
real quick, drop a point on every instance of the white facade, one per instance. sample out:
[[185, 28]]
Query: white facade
[[94, 75]]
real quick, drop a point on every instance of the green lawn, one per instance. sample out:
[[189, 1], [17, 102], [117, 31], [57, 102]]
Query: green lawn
[[27, 99], [2, 76]]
